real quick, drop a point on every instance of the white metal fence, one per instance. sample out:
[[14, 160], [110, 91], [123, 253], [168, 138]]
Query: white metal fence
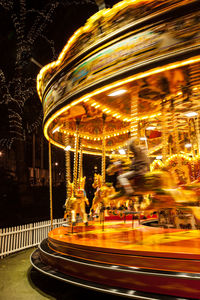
[[17, 238]]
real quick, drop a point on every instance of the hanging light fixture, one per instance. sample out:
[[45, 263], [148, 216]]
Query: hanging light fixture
[[122, 151], [117, 93], [67, 148], [191, 114]]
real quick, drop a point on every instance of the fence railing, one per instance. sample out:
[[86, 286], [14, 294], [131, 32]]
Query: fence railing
[[17, 238]]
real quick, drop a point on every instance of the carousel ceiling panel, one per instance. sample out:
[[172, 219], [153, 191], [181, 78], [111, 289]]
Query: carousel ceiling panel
[[172, 93]]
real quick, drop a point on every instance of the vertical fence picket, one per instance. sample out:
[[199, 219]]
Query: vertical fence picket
[[26, 236], [9, 240], [41, 230], [34, 233], [22, 236], [47, 228], [2, 243], [6, 240], [19, 237], [38, 232], [14, 238]]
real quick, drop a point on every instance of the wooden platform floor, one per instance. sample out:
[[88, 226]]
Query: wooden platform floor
[[128, 256], [118, 236]]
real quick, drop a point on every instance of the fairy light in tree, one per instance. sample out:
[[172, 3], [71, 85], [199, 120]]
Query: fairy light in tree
[[17, 90]]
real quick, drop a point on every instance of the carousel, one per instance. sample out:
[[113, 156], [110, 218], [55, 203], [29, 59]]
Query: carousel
[[132, 71]]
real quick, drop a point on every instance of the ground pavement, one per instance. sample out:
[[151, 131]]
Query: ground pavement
[[19, 281]]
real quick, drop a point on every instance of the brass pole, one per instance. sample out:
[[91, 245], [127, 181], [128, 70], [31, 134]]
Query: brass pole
[[197, 133], [175, 127], [68, 166], [76, 157], [103, 165], [164, 132], [50, 186], [191, 139], [134, 113], [80, 171]]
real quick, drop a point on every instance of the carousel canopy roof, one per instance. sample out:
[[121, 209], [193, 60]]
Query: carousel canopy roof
[[128, 69]]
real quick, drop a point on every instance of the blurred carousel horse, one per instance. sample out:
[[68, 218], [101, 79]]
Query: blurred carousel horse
[[159, 186]]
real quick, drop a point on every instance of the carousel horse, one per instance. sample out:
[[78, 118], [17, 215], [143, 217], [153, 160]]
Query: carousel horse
[[75, 203], [100, 199], [159, 186]]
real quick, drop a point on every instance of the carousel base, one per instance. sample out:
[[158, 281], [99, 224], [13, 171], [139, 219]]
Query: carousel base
[[127, 259]]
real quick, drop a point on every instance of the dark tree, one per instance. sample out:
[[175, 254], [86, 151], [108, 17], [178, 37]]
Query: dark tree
[[26, 27]]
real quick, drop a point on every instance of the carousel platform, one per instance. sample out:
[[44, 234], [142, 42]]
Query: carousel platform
[[124, 258]]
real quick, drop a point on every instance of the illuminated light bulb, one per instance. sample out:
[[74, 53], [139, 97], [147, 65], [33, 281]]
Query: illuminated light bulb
[[98, 105], [67, 148], [93, 104], [117, 93], [56, 129], [159, 157], [143, 138], [150, 128], [179, 94], [191, 114], [122, 151], [188, 145]]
